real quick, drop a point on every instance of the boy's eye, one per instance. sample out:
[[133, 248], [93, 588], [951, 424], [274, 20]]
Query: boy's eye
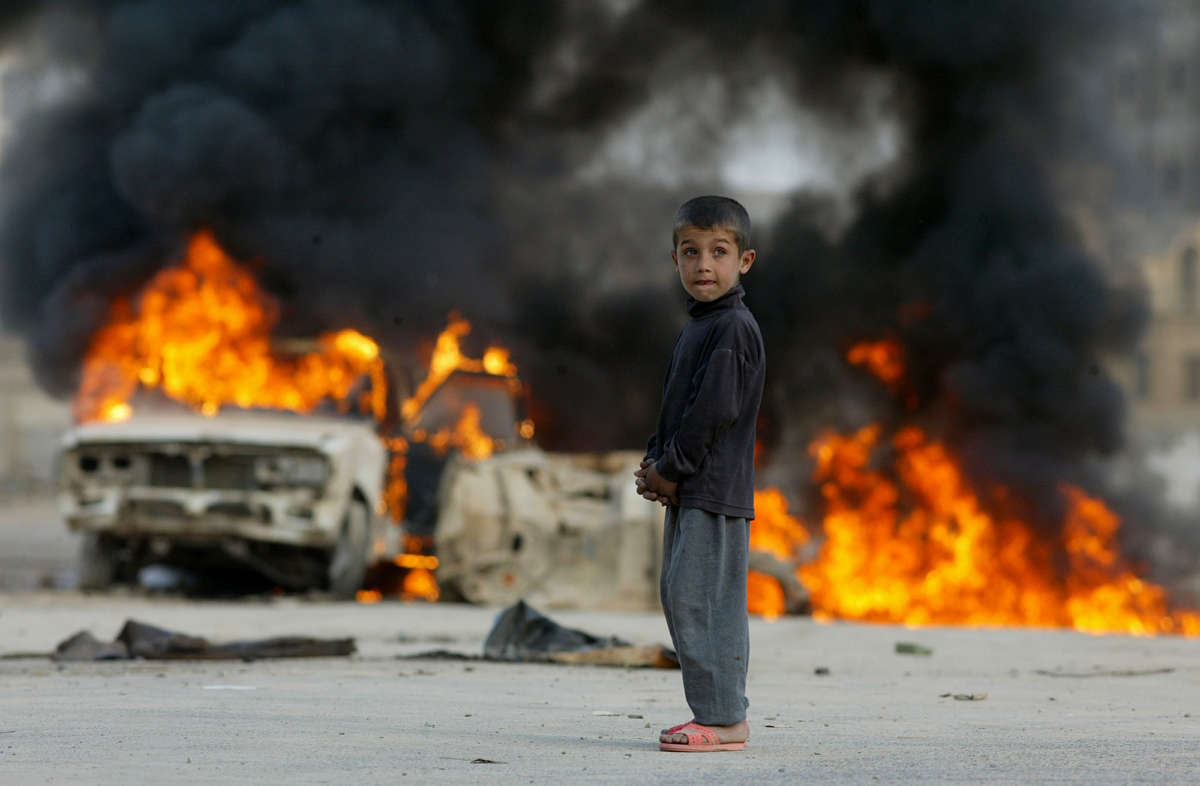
[[718, 251], [690, 252]]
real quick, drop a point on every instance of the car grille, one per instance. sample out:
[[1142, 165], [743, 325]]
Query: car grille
[[229, 472], [235, 473], [173, 471], [153, 508]]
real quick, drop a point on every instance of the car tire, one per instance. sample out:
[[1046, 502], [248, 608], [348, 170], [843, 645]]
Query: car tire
[[98, 561], [348, 561]]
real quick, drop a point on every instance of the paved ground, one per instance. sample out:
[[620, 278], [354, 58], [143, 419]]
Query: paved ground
[[877, 716], [36, 550]]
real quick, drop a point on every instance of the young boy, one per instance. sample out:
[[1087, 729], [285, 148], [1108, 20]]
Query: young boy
[[700, 464]]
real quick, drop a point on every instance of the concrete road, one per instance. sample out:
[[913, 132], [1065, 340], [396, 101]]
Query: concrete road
[[877, 716], [36, 549]]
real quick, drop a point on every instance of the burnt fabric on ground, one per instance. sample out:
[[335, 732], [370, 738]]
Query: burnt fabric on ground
[[140, 640], [522, 633]]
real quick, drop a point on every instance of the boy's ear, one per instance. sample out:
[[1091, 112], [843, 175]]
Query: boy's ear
[[674, 259], [747, 261]]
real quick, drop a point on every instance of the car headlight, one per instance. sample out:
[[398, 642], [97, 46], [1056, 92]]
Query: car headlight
[[292, 470]]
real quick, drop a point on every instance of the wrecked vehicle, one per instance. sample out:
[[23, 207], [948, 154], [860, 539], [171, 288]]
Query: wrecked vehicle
[[289, 495], [562, 530], [298, 499]]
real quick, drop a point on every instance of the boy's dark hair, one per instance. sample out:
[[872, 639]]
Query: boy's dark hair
[[707, 212]]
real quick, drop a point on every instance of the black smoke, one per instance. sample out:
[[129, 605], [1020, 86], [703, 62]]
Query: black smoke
[[386, 162], [347, 148]]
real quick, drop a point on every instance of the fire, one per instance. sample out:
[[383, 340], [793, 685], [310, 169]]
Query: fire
[[913, 543], [420, 584], [764, 596], [448, 357], [781, 535], [947, 560], [773, 530], [885, 359], [467, 435], [200, 332]]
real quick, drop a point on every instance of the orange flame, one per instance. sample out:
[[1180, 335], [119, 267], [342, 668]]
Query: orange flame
[[945, 560], [914, 544], [420, 584], [764, 596], [368, 596], [448, 357], [774, 531], [201, 333], [884, 359], [467, 435]]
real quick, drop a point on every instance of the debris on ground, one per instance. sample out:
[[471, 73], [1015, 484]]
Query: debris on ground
[[964, 696], [821, 671], [912, 648], [1111, 673], [521, 633], [140, 640]]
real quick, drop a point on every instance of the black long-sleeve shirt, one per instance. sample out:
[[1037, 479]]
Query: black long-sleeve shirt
[[706, 426]]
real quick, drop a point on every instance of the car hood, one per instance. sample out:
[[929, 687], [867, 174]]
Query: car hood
[[248, 428]]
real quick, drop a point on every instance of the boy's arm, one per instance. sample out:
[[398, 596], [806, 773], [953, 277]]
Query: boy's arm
[[715, 407], [652, 451]]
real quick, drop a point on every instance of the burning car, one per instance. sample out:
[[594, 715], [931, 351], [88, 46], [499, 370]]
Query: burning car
[[202, 435], [287, 495]]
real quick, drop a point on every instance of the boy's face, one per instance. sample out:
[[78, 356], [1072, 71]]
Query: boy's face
[[708, 262]]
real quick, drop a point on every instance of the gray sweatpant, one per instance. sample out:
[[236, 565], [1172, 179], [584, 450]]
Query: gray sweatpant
[[703, 587]]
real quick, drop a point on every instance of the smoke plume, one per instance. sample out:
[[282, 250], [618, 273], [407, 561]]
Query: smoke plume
[[386, 162]]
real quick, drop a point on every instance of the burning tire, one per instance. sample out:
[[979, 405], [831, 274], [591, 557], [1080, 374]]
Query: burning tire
[[348, 560]]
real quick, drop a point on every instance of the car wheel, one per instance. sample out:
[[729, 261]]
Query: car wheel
[[348, 562], [98, 561]]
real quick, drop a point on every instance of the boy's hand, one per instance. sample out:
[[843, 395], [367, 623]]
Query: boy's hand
[[655, 487]]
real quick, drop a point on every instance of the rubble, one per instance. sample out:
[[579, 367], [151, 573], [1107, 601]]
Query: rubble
[[521, 634], [140, 640]]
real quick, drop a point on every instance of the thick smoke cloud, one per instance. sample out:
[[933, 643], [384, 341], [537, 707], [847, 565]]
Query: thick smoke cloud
[[349, 147], [390, 161]]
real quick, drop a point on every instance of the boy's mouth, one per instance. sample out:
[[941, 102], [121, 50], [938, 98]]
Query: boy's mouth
[[705, 282]]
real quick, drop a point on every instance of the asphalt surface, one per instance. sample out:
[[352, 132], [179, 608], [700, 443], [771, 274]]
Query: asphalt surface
[[876, 716], [36, 549]]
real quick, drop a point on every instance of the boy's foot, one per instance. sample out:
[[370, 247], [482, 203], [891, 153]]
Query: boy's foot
[[677, 735]]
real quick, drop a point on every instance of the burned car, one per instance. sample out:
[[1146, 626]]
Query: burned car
[[291, 496]]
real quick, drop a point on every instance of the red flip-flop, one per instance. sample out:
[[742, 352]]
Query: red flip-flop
[[701, 739]]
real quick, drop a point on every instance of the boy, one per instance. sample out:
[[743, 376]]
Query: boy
[[700, 464]]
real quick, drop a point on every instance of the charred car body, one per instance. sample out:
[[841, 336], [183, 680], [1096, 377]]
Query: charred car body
[[297, 498], [289, 495]]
